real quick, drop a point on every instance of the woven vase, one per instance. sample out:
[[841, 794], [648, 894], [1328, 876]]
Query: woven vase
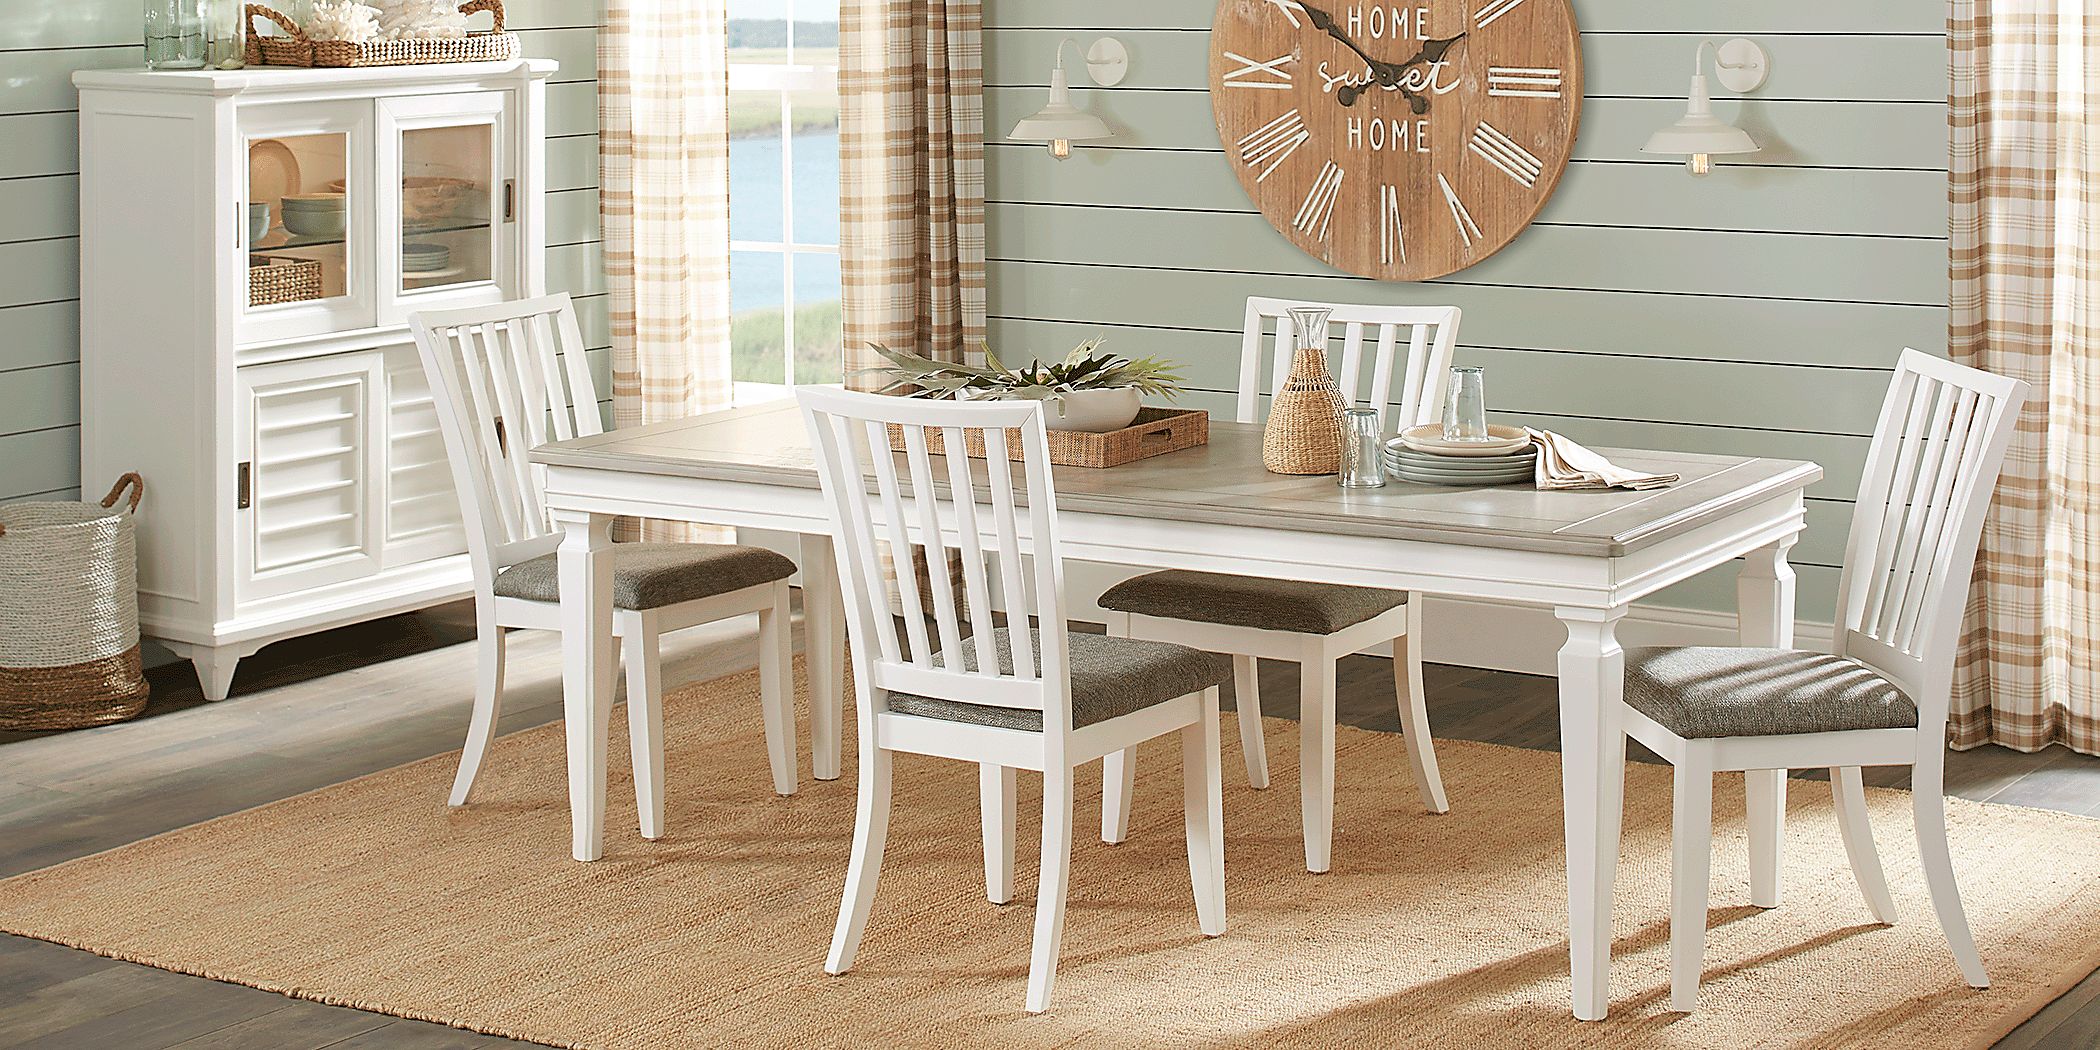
[[1304, 433]]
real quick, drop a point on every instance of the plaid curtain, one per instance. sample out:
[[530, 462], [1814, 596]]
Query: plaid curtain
[[911, 181], [2024, 258], [663, 199]]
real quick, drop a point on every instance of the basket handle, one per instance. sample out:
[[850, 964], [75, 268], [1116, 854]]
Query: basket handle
[[284, 22], [132, 481], [494, 7]]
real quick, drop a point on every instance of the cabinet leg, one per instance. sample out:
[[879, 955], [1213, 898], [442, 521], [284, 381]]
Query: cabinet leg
[[214, 665]]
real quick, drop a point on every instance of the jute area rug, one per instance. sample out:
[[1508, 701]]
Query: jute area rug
[[1430, 931]]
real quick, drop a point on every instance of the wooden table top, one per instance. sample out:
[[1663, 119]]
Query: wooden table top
[[1223, 483]]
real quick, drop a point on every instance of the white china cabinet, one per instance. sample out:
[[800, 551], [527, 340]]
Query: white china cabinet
[[252, 243]]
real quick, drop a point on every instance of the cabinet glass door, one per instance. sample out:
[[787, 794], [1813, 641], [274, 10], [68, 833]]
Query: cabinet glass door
[[448, 202], [306, 208]]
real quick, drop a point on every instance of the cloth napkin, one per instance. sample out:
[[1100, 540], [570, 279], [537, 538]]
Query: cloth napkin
[[1563, 464]]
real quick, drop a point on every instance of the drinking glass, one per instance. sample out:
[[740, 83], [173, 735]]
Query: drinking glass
[[1363, 466], [175, 34], [1465, 405], [226, 36]]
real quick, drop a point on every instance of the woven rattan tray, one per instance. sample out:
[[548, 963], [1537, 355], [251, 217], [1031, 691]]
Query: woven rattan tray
[[294, 49], [1156, 432]]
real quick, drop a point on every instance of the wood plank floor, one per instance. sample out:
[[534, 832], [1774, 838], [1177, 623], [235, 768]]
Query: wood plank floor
[[323, 709]]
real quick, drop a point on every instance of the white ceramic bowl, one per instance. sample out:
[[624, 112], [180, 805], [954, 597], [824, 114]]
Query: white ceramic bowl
[[1093, 411]]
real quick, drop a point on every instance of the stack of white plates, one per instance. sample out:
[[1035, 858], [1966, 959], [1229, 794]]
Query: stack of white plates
[[1421, 455]]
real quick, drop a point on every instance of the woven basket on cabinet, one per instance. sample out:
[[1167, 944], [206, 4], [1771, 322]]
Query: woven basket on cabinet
[[292, 48], [69, 613]]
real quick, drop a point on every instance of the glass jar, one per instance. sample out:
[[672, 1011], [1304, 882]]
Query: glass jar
[[226, 34], [1363, 463], [1465, 405], [175, 34]]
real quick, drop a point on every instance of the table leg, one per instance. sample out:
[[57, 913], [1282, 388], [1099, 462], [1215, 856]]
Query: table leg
[[824, 639], [1764, 594], [587, 667], [1593, 790]]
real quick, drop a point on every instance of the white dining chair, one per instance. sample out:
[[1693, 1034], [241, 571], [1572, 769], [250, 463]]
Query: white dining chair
[[1312, 624], [511, 376], [1881, 699], [1022, 696]]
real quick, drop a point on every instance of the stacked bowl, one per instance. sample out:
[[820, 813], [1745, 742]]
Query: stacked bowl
[[317, 215], [1423, 455]]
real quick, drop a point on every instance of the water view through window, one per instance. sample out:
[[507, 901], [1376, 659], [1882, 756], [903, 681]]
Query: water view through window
[[783, 193]]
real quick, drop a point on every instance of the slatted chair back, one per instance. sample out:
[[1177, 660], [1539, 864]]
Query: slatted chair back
[[1426, 334], [507, 377], [1931, 469], [915, 503]]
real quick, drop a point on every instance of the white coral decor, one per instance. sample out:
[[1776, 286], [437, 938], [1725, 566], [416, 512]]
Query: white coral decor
[[344, 20], [421, 20]]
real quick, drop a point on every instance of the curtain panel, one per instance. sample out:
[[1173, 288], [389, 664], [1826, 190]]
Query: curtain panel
[[911, 179], [663, 191], [2024, 256]]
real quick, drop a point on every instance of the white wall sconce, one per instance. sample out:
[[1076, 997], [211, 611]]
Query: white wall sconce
[[1060, 123], [1741, 66]]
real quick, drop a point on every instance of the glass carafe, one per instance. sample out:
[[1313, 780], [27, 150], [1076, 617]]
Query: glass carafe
[[1304, 433]]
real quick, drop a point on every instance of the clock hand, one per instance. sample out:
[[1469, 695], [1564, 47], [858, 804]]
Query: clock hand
[[1388, 74]]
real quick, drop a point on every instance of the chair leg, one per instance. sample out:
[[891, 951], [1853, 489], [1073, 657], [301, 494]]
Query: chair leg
[[1414, 722], [871, 827], [996, 799], [1849, 791], [645, 723], [488, 705], [1929, 810], [1764, 793], [1118, 781], [1691, 861], [776, 690], [1316, 757], [1246, 694], [1203, 813], [1050, 891]]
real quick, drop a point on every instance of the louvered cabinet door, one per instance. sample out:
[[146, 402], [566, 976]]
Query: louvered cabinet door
[[310, 494], [422, 507]]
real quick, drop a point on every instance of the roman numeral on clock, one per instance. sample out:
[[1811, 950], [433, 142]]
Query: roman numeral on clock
[[1391, 248], [1253, 73], [1523, 82], [1318, 209], [1504, 153], [1273, 142], [1468, 230], [1289, 8], [1493, 10]]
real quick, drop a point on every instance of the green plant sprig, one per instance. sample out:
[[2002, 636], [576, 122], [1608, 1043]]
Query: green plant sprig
[[1083, 369]]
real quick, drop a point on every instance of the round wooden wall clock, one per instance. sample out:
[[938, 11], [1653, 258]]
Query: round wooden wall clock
[[1397, 141]]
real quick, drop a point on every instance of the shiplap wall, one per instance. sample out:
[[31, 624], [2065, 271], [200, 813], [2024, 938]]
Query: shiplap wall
[[40, 47], [1755, 312]]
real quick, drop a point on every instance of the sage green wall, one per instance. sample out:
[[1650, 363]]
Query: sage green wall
[[1754, 312], [40, 47]]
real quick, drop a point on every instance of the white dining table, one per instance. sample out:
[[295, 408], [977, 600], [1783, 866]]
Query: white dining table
[[1586, 555]]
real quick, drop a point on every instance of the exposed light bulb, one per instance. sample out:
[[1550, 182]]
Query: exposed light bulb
[[1699, 164], [1061, 148]]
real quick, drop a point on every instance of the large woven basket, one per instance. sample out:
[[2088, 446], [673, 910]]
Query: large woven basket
[[69, 613], [294, 48]]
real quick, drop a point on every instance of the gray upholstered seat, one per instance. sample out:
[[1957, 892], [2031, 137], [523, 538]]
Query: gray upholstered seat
[[1111, 677], [1701, 692], [1247, 601], [654, 575]]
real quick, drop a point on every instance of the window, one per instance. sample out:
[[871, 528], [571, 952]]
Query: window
[[785, 325]]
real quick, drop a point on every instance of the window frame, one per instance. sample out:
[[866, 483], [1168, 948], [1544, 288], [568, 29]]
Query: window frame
[[783, 79]]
